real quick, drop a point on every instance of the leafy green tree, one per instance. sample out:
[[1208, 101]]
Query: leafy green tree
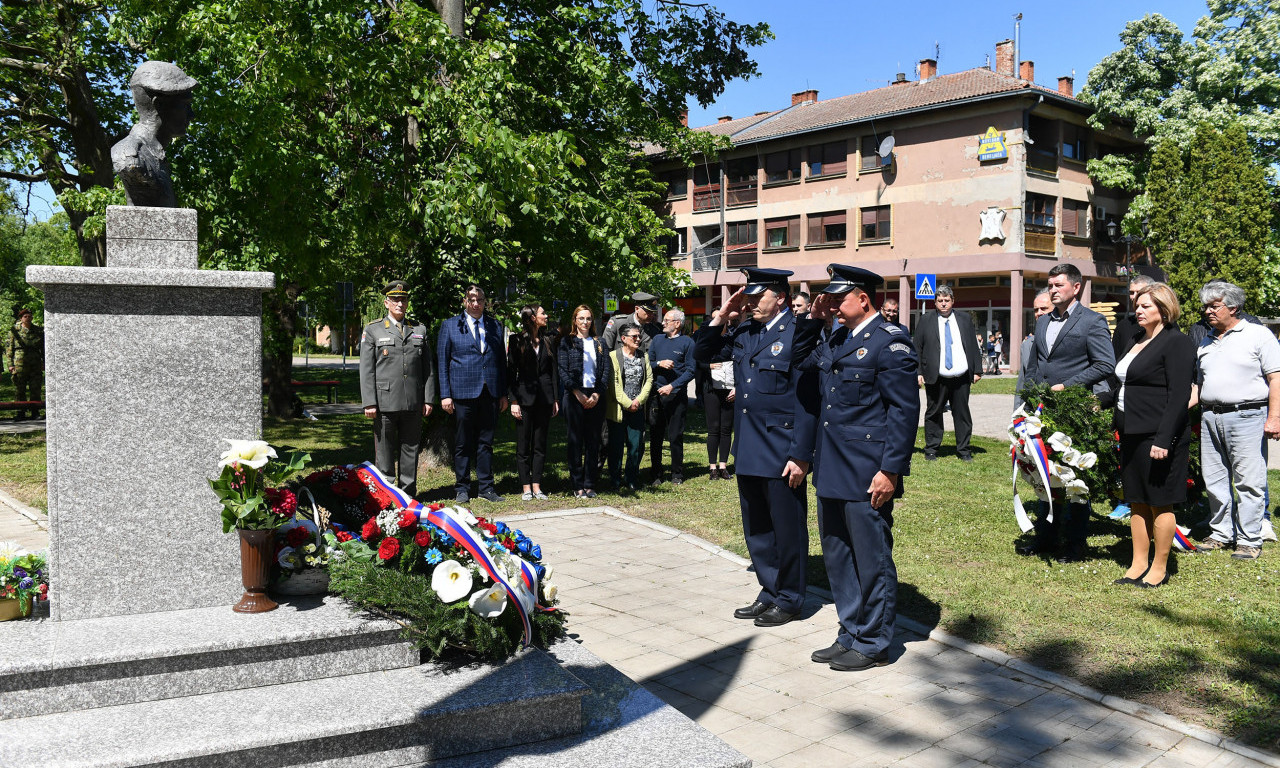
[[1211, 213]]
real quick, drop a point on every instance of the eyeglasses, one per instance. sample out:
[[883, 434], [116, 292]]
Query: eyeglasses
[[1213, 307], [632, 336]]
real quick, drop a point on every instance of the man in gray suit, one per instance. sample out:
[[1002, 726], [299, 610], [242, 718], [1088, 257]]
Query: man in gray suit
[[1072, 347], [397, 387]]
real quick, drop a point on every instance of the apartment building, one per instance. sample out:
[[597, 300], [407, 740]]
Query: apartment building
[[978, 177]]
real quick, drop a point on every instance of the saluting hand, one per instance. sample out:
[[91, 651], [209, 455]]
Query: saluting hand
[[822, 307]]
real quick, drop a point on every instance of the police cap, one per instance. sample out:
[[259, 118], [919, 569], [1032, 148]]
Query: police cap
[[161, 77], [845, 278], [396, 289], [759, 280], [646, 301]]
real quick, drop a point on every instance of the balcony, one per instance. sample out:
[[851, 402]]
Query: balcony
[[742, 193], [1040, 242], [744, 255], [706, 198]]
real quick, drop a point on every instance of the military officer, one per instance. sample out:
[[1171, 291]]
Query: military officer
[[643, 316], [26, 360], [397, 386], [864, 437], [773, 417]]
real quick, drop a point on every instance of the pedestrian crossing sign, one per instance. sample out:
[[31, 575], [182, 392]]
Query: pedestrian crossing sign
[[925, 286]]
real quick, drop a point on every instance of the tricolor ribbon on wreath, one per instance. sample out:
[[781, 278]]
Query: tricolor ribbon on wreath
[[1033, 458], [516, 577], [1025, 435]]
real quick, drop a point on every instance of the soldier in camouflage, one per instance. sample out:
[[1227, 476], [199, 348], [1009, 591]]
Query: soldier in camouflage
[[26, 360], [397, 387]]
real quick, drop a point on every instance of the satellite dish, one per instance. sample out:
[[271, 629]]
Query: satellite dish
[[886, 147]]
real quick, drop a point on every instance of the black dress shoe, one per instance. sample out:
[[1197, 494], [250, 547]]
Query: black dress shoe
[[1033, 549], [677, 480], [826, 655], [1125, 581], [1073, 555], [751, 611], [966, 458], [854, 661], [774, 617], [491, 496]]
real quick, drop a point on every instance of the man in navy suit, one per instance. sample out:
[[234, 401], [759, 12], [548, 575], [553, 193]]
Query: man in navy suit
[[774, 412], [949, 364], [866, 431], [1072, 347], [473, 386]]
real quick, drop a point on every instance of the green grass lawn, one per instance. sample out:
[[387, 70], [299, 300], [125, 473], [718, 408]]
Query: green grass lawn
[[1205, 648], [1004, 385]]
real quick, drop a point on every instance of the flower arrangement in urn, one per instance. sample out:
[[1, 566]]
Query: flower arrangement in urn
[[23, 579], [254, 507]]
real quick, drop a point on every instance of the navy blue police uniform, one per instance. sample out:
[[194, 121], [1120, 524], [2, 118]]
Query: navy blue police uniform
[[774, 412], [867, 422]]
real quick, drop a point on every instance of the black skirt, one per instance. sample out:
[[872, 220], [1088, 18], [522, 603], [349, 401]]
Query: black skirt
[[1147, 481]]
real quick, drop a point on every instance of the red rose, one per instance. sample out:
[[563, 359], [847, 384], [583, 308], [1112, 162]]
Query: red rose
[[407, 520], [435, 507], [343, 536], [371, 506], [370, 531], [422, 538], [510, 544], [489, 528], [389, 548], [297, 537], [348, 489]]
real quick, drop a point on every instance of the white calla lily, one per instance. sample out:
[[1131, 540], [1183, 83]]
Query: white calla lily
[[1087, 460], [251, 453], [451, 581], [489, 603], [1032, 426], [1071, 456], [1059, 442]]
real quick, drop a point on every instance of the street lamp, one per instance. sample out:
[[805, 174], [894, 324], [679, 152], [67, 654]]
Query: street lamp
[[1113, 233]]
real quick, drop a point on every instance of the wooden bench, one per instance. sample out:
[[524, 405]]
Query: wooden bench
[[21, 405], [332, 385]]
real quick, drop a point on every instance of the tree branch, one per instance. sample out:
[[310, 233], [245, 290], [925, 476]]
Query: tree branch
[[21, 50], [25, 66], [37, 117], [24, 177]]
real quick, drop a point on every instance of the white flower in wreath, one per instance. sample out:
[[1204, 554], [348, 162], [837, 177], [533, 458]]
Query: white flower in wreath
[[1087, 460], [1076, 489], [489, 603], [288, 558], [251, 453], [1071, 457], [1064, 474], [1059, 442], [549, 591], [9, 550], [451, 581], [465, 515], [389, 521], [546, 573], [1032, 426]]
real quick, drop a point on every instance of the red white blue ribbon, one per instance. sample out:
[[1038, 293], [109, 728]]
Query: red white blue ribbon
[[1039, 455]]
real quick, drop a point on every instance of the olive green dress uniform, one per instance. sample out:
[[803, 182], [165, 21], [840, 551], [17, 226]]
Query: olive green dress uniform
[[26, 355], [397, 376]]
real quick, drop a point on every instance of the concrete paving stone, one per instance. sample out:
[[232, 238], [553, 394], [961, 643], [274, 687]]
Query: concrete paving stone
[[881, 736], [704, 684], [939, 757], [653, 637], [623, 624], [1118, 725], [812, 756], [808, 720], [1002, 689], [694, 648], [756, 702], [731, 633], [650, 665], [793, 652], [749, 666], [687, 705], [717, 719], [888, 682], [1193, 753], [614, 650], [857, 705], [805, 684], [757, 738]]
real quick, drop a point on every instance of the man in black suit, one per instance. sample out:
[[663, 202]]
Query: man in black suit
[[889, 311], [950, 363], [1072, 348]]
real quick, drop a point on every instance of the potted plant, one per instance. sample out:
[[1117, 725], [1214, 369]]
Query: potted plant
[[23, 579], [255, 508]]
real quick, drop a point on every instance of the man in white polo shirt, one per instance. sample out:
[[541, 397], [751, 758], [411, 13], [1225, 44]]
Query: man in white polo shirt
[[1238, 380]]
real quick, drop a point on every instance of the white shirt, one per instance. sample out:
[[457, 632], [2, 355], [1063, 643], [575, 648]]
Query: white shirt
[[1055, 326], [959, 362], [769, 325], [1122, 373], [477, 329], [1231, 367], [588, 363]]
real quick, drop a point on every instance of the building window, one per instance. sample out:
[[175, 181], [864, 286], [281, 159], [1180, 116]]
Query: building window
[[782, 233], [740, 244], [1073, 141], [1042, 150], [782, 166], [1040, 210], [1075, 218], [677, 182], [741, 176], [827, 228], [871, 159], [672, 244], [828, 159], [706, 187], [875, 224]]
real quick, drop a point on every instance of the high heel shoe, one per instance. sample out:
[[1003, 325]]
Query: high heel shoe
[[1126, 581], [1149, 585]]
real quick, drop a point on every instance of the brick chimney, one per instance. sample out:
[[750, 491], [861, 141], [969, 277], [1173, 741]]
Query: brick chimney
[[928, 69], [901, 79], [684, 118], [801, 97], [1027, 71], [1066, 87], [1004, 58], [724, 118]]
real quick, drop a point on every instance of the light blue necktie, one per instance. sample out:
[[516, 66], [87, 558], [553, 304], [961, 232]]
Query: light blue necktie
[[946, 349]]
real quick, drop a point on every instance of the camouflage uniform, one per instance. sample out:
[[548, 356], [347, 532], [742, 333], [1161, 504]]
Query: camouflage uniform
[[396, 376], [26, 359]]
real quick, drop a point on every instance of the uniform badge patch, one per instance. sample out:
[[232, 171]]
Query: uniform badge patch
[[776, 348], [890, 329], [899, 347], [861, 353]]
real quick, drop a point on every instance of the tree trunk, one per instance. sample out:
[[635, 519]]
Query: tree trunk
[[451, 13], [277, 359]]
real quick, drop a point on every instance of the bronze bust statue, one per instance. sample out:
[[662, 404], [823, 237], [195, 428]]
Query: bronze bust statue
[[162, 93]]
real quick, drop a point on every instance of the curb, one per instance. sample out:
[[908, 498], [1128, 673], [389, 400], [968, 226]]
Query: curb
[[40, 519]]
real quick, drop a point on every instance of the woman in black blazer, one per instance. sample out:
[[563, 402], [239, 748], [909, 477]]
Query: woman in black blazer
[[531, 378], [584, 372], [1151, 413]]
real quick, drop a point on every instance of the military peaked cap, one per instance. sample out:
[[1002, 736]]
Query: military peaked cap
[[396, 289], [646, 301], [845, 278]]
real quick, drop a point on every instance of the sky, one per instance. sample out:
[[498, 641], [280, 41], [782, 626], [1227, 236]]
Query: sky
[[841, 47]]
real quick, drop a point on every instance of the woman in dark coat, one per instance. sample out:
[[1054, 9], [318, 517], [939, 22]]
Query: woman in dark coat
[[584, 373], [532, 379], [1151, 413]]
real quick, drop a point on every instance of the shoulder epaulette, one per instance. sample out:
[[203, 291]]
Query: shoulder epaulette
[[890, 328]]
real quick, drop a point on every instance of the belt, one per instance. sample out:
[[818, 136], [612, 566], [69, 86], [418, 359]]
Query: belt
[[1233, 407]]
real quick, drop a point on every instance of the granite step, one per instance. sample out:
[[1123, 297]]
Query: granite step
[[374, 719], [61, 666]]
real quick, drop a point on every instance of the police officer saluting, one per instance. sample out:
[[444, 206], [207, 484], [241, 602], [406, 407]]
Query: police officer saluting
[[774, 410], [397, 387], [864, 437]]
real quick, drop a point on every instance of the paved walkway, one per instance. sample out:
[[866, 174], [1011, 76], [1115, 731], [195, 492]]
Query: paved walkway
[[657, 604]]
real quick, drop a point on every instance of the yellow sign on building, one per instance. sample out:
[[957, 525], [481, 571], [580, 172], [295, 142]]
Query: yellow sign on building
[[991, 145]]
